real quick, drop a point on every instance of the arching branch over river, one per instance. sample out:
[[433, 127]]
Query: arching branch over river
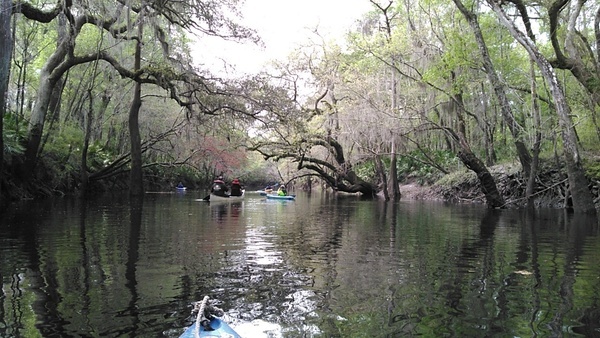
[[324, 157]]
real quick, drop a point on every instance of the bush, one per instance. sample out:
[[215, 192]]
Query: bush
[[424, 168]]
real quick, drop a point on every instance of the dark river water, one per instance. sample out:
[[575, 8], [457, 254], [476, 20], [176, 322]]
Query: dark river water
[[315, 267]]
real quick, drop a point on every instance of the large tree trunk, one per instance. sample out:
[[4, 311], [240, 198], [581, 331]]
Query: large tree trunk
[[499, 89], [86, 143], [381, 171], [578, 183], [488, 128], [393, 185], [537, 125], [36, 122], [5, 56], [336, 172], [488, 185], [50, 75], [136, 177]]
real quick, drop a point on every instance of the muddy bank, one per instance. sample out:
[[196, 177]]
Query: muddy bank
[[463, 187]]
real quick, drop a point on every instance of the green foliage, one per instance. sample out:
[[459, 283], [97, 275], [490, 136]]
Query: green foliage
[[366, 171], [430, 57], [98, 157], [257, 172], [418, 165], [592, 168], [66, 143], [88, 40], [459, 177], [13, 136], [413, 166], [166, 177], [45, 41], [586, 131], [61, 159], [460, 55]]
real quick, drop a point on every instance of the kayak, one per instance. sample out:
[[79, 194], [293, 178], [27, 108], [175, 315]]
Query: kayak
[[264, 192], [215, 198], [181, 188], [220, 329], [208, 323], [277, 197]]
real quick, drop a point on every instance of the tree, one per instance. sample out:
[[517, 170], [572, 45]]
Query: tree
[[334, 170], [136, 175], [393, 174], [5, 56], [169, 70], [48, 82], [289, 131], [575, 52], [403, 52], [499, 89], [578, 182]]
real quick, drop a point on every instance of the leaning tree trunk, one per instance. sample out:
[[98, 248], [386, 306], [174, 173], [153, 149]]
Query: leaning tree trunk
[[37, 121], [488, 184], [50, 76], [338, 174], [578, 183], [499, 90], [470, 160]]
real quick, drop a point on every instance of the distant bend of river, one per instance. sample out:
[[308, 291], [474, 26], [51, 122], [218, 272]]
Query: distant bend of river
[[319, 266]]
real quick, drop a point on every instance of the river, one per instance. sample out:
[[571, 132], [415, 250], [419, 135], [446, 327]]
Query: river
[[319, 266]]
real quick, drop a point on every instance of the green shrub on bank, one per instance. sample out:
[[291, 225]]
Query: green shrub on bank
[[425, 168], [416, 165], [592, 168], [13, 137]]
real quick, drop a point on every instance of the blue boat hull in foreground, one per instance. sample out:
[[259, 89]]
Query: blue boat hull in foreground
[[220, 329], [277, 197]]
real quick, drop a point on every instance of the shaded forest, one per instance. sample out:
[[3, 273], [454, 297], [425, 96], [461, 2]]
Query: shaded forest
[[101, 96]]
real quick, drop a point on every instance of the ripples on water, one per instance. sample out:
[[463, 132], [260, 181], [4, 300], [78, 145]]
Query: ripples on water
[[315, 267]]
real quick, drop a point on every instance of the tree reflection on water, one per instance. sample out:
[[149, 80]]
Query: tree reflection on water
[[315, 267]]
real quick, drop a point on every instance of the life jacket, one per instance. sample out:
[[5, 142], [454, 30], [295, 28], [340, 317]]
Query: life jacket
[[219, 188], [236, 188]]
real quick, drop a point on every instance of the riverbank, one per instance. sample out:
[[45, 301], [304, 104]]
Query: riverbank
[[463, 187]]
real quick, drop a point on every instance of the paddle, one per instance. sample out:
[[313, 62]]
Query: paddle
[[207, 198]]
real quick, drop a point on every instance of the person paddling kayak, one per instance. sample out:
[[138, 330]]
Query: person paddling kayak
[[219, 188]]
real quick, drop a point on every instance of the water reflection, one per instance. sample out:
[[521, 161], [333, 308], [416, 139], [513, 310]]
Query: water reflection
[[317, 266], [133, 253]]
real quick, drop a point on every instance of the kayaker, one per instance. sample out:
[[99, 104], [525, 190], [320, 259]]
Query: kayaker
[[282, 191], [236, 188], [219, 188]]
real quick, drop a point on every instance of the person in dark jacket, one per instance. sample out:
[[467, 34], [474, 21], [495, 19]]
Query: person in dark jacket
[[219, 187], [236, 188]]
